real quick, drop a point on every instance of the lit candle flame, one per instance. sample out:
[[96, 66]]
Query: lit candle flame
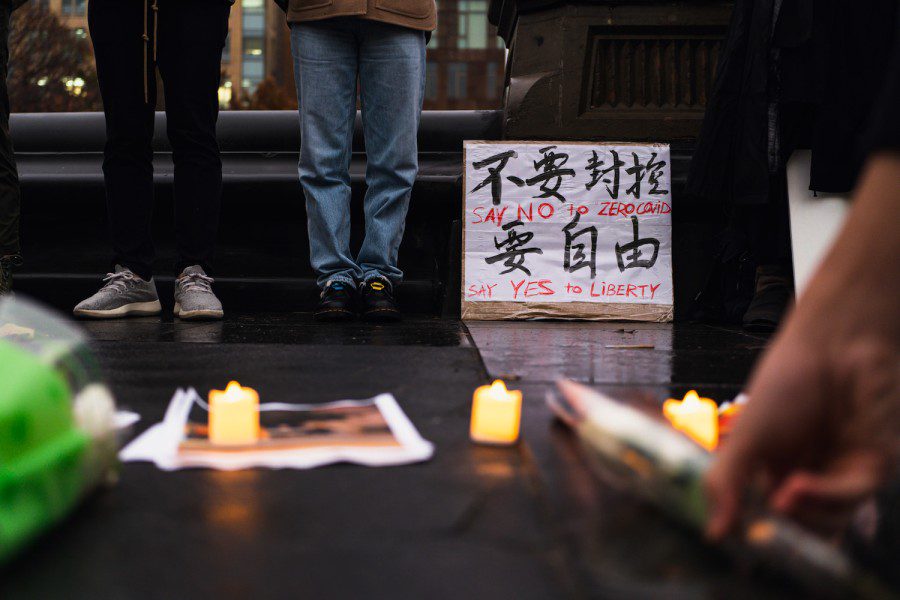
[[233, 415], [696, 417], [233, 392], [496, 414], [498, 391]]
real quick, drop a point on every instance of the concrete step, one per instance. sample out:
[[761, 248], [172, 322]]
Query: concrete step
[[250, 294], [263, 240]]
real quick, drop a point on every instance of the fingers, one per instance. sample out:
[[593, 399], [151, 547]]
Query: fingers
[[825, 502], [846, 483], [724, 507], [775, 430], [724, 485]]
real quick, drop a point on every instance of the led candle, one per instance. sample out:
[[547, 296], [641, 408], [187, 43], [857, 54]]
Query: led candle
[[728, 414], [496, 413], [233, 415], [697, 417]]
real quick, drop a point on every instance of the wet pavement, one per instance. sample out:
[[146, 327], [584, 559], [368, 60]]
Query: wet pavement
[[614, 547], [476, 522], [294, 328]]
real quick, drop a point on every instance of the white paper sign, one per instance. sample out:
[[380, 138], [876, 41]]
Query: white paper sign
[[563, 222]]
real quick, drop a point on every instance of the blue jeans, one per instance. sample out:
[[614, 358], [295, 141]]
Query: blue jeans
[[389, 63]]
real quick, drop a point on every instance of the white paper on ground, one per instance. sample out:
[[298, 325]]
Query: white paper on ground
[[125, 418], [160, 443]]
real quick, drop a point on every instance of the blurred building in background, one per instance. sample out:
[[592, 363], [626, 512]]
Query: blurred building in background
[[466, 59], [465, 67], [465, 56], [73, 13], [258, 49]]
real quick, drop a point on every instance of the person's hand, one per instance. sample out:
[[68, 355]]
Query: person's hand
[[816, 435], [820, 431]]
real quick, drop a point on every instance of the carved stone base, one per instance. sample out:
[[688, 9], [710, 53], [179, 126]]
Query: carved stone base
[[596, 71]]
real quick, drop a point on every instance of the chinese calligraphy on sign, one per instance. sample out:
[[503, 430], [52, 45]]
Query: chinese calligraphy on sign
[[511, 249], [567, 230]]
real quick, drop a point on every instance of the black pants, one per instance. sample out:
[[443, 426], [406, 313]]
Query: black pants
[[768, 225], [184, 40], [9, 178]]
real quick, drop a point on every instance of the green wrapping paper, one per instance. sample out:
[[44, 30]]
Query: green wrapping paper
[[57, 440]]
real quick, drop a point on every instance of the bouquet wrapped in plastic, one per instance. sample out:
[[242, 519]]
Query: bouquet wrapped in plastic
[[645, 457], [57, 433]]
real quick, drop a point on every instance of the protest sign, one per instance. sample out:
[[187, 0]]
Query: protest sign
[[567, 230]]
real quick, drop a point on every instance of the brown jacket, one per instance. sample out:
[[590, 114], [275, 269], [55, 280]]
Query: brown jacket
[[415, 14]]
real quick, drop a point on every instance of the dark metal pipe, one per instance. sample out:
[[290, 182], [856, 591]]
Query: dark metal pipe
[[240, 131]]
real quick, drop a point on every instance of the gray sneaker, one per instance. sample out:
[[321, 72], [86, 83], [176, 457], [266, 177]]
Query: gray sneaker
[[123, 294], [194, 298]]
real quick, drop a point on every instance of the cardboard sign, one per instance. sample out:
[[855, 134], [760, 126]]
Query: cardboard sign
[[567, 230]]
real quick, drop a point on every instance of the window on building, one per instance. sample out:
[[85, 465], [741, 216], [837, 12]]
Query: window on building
[[73, 8], [253, 17], [253, 59], [473, 25], [457, 80], [492, 80], [226, 51], [432, 81]]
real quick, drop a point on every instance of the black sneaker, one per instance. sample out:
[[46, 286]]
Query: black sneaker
[[6, 268], [378, 302], [337, 302]]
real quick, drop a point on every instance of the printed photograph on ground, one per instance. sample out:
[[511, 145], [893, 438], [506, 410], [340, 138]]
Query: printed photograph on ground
[[358, 425]]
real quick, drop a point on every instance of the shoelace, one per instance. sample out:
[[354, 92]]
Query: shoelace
[[196, 281], [118, 281], [337, 286], [377, 286]]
